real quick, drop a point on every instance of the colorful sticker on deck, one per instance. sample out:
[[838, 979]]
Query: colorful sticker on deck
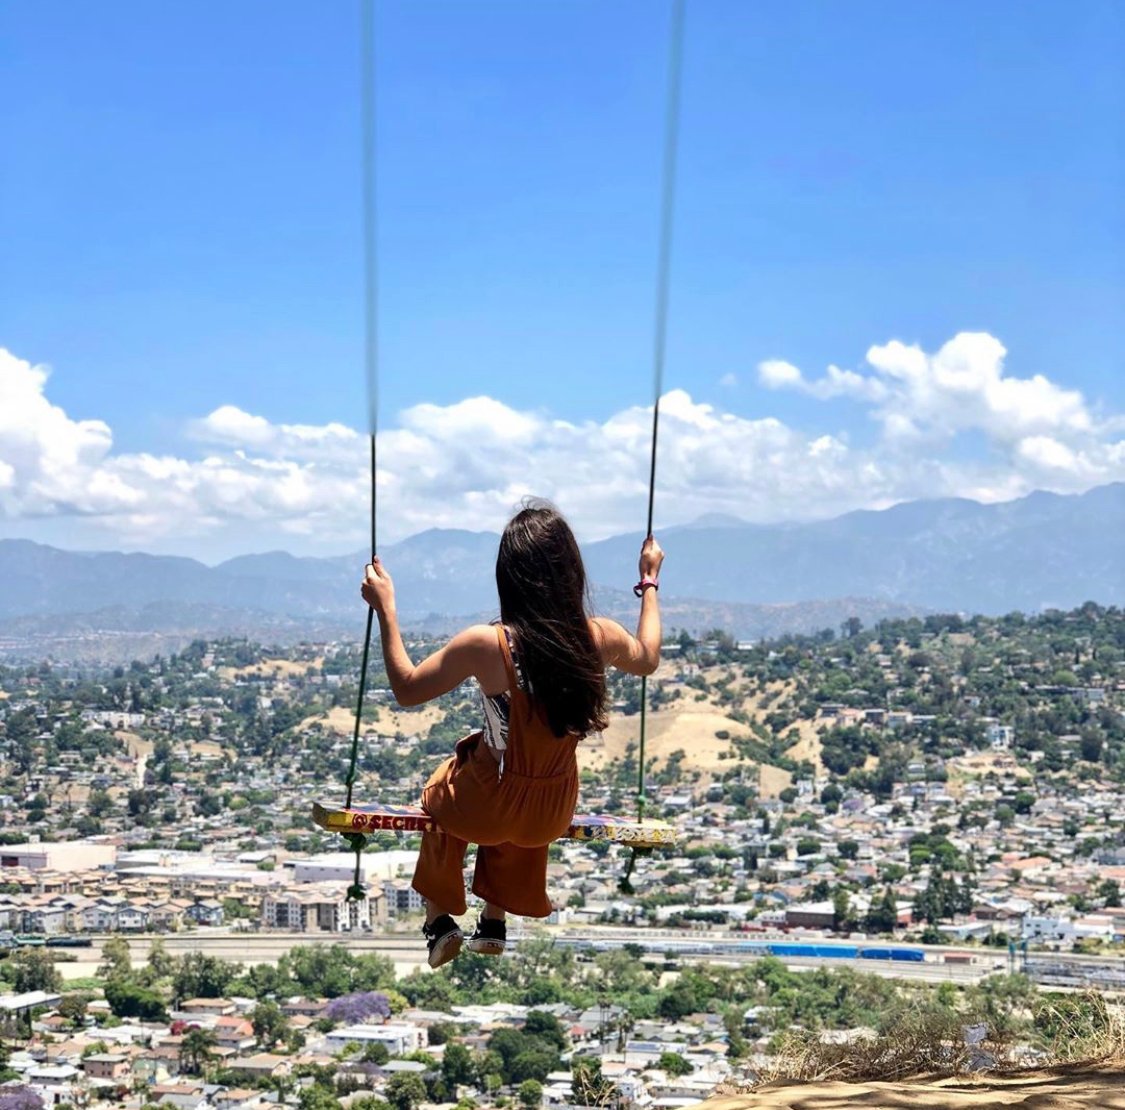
[[388, 818]]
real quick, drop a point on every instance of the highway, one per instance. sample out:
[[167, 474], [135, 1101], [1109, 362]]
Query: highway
[[407, 952]]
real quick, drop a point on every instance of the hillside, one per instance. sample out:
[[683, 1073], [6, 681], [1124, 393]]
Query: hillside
[[1056, 1089]]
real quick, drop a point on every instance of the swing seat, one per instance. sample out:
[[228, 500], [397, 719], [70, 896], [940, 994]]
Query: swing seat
[[599, 826]]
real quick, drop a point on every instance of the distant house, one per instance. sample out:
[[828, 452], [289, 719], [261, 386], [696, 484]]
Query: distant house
[[132, 919], [308, 1007], [220, 1006], [45, 919], [234, 1097], [262, 1065], [107, 1065], [234, 1032], [208, 912], [185, 1095]]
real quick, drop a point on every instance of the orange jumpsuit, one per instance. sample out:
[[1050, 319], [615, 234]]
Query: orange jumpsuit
[[513, 811]]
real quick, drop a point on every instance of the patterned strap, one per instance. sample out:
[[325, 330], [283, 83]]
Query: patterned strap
[[509, 665]]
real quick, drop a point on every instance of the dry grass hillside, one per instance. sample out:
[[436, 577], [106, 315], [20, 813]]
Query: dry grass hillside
[[271, 668], [1101, 1087], [382, 719], [698, 724]]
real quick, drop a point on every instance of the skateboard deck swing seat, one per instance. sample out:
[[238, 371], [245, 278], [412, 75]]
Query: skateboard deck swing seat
[[356, 822], [366, 819]]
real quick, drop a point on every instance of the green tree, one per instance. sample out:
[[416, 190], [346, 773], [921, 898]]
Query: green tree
[[545, 1027], [882, 917], [73, 1008], [535, 1063], [1109, 891], [117, 962], [33, 969], [530, 1093], [317, 1096], [200, 976], [270, 1024], [160, 962], [672, 1063], [457, 1065], [678, 1000], [129, 999], [405, 1091], [1091, 747], [843, 916], [333, 971]]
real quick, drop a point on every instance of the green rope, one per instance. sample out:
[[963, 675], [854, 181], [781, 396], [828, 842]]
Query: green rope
[[371, 371], [660, 330]]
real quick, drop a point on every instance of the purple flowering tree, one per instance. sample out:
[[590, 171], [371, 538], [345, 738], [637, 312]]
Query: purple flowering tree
[[19, 1098], [360, 1006]]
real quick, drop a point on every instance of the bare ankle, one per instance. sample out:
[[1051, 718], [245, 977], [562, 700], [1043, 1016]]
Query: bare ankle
[[434, 912]]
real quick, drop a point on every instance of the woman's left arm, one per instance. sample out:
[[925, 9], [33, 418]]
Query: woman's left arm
[[441, 672]]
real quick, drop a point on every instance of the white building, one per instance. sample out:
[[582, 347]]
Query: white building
[[1001, 737], [337, 867], [399, 1038], [401, 897], [71, 855], [324, 907]]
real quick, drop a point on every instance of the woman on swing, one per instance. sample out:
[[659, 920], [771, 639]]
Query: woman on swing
[[511, 788]]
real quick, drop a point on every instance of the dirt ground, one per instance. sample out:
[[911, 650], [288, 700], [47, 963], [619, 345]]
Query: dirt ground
[[134, 744], [1063, 1089]]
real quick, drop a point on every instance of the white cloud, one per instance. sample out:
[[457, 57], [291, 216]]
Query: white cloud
[[728, 381], [251, 483], [775, 373], [962, 387]]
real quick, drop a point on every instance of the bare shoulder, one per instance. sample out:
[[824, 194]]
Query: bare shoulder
[[477, 638]]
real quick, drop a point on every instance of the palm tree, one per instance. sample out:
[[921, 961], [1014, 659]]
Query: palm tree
[[195, 1049]]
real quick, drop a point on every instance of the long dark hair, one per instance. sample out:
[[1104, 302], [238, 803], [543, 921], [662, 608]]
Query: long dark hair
[[543, 596]]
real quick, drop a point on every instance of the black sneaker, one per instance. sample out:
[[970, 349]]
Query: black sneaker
[[490, 937], [443, 939]]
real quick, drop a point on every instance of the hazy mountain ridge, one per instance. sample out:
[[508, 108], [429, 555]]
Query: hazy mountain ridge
[[756, 580]]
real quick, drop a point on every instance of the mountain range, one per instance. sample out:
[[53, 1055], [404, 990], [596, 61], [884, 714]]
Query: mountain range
[[1043, 550]]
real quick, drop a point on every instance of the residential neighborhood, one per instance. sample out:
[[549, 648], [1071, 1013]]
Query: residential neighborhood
[[948, 787]]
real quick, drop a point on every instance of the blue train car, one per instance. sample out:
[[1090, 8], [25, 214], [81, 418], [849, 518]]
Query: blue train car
[[904, 955]]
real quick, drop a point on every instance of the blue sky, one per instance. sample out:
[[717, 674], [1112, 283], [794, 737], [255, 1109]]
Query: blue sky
[[179, 213]]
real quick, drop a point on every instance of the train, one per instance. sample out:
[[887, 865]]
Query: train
[[34, 940], [779, 949]]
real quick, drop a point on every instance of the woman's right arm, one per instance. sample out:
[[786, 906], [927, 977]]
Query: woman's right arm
[[467, 655], [639, 654]]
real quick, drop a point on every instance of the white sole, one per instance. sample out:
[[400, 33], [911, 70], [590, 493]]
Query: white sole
[[446, 949], [484, 946]]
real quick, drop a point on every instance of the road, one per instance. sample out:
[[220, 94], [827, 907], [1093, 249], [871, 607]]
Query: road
[[407, 952]]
